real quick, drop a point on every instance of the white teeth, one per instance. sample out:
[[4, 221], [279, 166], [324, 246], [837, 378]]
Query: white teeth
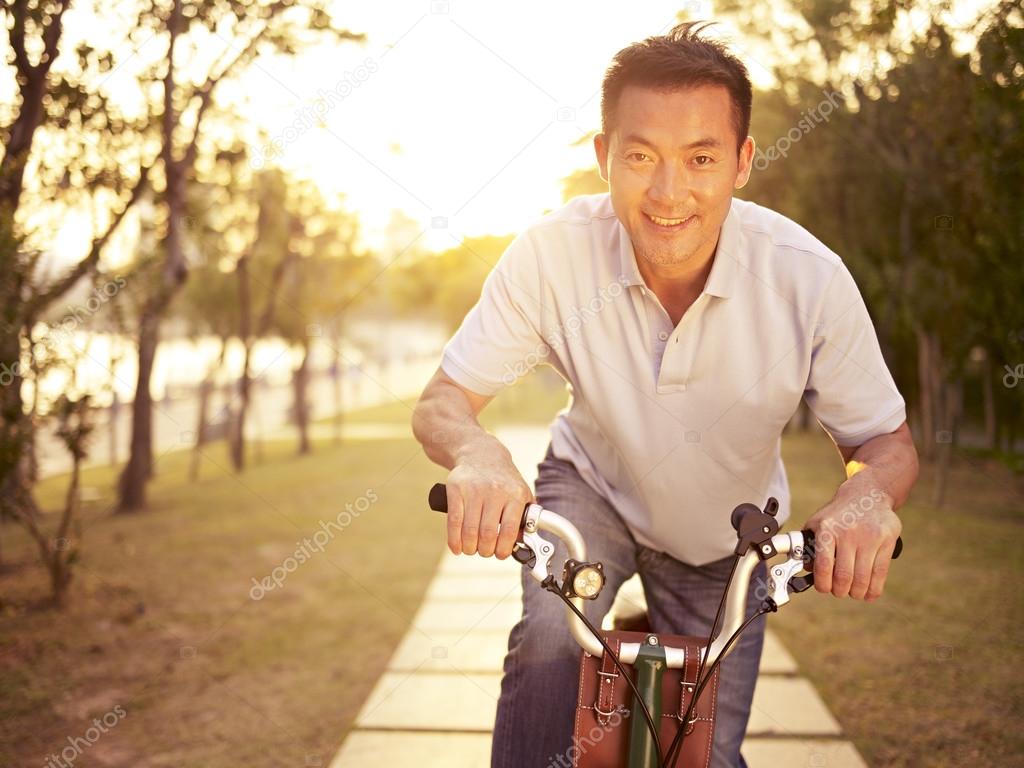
[[665, 222]]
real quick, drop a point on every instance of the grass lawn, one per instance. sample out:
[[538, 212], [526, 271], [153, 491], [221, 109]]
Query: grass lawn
[[532, 400], [929, 675], [162, 623]]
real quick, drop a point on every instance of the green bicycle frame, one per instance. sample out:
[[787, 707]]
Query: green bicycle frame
[[650, 666]]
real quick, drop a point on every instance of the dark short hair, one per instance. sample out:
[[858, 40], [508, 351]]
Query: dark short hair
[[680, 59]]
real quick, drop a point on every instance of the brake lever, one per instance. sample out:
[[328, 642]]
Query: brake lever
[[783, 576], [534, 551]]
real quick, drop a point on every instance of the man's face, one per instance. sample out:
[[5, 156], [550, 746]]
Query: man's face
[[671, 156]]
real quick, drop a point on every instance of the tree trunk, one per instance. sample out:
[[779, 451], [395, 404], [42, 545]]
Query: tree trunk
[[60, 554], [336, 377], [240, 415], [113, 422], [206, 388], [902, 290], [301, 382], [952, 405], [989, 403], [248, 335], [114, 412], [31, 456], [14, 427], [132, 485], [926, 404], [140, 462], [237, 442]]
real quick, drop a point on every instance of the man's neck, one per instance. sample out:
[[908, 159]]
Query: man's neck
[[677, 286]]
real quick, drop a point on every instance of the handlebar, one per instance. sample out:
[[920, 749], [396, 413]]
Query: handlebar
[[782, 579]]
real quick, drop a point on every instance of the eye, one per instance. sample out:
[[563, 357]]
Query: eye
[[637, 157], [704, 160]]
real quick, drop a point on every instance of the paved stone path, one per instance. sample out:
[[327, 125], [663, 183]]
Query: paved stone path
[[434, 706]]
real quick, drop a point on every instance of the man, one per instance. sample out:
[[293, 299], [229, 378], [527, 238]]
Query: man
[[689, 325]]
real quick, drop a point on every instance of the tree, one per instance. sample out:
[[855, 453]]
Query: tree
[[261, 270], [326, 282], [910, 182], [88, 142], [449, 282], [274, 26]]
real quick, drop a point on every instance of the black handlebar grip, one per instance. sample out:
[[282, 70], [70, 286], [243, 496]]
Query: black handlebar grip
[[809, 547], [438, 498]]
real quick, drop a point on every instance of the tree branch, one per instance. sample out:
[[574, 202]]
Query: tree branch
[[51, 36], [205, 91], [276, 280], [17, 37], [87, 264]]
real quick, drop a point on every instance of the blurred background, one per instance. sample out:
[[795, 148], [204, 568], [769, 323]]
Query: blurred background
[[234, 237]]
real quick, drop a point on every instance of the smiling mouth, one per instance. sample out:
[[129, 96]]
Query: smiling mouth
[[670, 224]]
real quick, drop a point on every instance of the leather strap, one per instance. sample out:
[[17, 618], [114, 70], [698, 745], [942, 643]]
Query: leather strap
[[607, 677], [688, 684]]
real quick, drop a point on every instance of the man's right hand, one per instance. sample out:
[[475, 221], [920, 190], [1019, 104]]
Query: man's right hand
[[486, 499]]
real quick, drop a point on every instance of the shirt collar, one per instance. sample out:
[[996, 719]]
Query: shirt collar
[[722, 277]]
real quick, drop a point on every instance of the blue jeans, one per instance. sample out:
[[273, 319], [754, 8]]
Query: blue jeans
[[534, 725]]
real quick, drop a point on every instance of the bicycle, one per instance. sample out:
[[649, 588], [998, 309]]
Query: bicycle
[[758, 539]]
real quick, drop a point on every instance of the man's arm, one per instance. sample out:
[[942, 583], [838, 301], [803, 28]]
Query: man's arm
[[856, 531], [486, 493]]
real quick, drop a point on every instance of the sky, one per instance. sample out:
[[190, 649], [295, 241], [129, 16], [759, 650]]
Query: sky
[[460, 115]]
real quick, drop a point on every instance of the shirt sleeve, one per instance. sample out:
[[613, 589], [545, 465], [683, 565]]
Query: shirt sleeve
[[849, 388], [499, 340]]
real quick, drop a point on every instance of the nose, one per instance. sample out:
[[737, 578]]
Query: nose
[[670, 186]]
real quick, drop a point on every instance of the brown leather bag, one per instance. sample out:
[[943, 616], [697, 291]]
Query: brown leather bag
[[601, 731]]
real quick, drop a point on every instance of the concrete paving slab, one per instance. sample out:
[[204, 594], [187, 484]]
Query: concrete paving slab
[[782, 706], [474, 566], [427, 701], [478, 651], [474, 587], [775, 659], [527, 445], [472, 750], [771, 753], [466, 616], [422, 750], [787, 706]]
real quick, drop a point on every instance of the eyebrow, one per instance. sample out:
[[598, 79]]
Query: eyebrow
[[707, 141]]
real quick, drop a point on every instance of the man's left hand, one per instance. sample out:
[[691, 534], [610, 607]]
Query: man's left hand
[[854, 542]]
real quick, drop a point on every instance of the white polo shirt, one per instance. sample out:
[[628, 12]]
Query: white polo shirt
[[677, 425]]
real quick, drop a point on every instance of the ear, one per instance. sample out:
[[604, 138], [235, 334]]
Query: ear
[[746, 160], [601, 150]]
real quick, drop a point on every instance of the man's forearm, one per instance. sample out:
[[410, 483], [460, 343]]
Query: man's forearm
[[886, 464], [448, 430]]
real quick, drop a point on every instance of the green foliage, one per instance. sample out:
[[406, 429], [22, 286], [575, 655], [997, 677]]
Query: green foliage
[[448, 283], [913, 177]]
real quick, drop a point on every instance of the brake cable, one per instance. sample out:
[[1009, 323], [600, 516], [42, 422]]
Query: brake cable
[[678, 740], [675, 749], [551, 585]]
